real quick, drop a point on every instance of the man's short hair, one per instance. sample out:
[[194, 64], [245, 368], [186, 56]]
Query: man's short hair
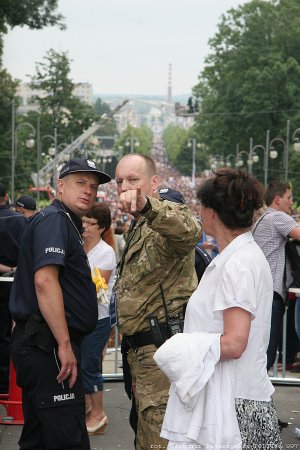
[[274, 188], [150, 164]]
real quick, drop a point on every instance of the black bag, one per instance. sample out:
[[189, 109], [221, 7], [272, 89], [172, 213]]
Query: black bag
[[202, 260], [292, 251]]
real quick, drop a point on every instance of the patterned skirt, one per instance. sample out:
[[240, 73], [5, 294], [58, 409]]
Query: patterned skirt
[[258, 425]]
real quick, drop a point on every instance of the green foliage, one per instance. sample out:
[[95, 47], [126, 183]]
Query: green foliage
[[110, 128], [294, 165], [59, 113], [174, 139], [101, 107], [250, 82], [178, 144], [7, 90], [132, 136], [35, 14]]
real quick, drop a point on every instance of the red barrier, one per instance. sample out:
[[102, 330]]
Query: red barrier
[[12, 401]]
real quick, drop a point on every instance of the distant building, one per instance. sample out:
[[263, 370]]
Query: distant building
[[84, 91]]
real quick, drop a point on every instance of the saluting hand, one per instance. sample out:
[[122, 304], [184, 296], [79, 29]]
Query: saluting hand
[[132, 201]]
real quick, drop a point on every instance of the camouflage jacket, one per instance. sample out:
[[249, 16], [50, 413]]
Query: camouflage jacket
[[159, 250]]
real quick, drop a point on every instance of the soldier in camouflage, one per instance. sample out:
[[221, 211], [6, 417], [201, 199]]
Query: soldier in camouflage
[[158, 255]]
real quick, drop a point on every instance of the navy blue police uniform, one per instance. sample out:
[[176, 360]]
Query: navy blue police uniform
[[54, 413], [12, 225]]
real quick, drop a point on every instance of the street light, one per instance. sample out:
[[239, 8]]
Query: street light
[[51, 151], [296, 141], [192, 143], [240, 162], [255, 157], [216, 160], [228, 157], [104, 160], [14, 146], [120, 152], [132, 142]]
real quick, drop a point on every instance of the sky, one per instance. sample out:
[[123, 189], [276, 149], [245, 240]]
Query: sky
[[124, 46]]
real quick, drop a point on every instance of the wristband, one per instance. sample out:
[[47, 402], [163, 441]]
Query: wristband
[[147, 207]]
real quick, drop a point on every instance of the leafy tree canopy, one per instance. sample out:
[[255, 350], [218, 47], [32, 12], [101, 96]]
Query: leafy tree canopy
[[250, 82], [137, 139], [35, 14]]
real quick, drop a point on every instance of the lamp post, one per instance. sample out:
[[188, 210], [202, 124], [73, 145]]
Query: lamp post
[[52, 151], [228, 157], [132, 142], [255, 157], [240, 162], [192, 143], [104, 160], [216, 160], [120, 152], [14, 146]]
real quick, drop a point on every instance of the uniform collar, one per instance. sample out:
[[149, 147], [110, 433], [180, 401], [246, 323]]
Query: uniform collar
[[76, 219]]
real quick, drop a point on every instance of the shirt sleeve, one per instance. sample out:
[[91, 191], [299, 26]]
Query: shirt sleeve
[[50, 239], [283, 223], [236, 289]]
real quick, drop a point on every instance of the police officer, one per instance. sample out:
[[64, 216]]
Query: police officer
[[26, 205], [53, 302], [12, 225], [156, 277]]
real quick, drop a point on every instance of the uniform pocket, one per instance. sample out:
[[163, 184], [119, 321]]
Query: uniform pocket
[[62, 418], [63, 432]]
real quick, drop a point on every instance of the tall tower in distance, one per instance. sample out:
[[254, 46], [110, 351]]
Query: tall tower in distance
[[169, 97]]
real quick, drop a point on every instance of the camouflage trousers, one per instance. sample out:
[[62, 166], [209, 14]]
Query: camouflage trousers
[[150, 388]]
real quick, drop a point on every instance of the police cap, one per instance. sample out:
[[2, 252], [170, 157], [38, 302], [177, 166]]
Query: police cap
[[83, 165], [172, 195]]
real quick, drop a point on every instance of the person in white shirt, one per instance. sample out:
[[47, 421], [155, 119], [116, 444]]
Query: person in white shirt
[[98, 245], [234, 300]]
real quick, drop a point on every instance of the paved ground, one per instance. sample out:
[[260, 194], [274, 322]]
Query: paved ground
[[119, 435]]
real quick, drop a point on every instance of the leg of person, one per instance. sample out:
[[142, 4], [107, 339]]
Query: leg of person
[[54, 414], [258, 424], [297, 318], [5, 334], [133, 417], [150, 388], [91, 364], [292, 343], [276, 329]]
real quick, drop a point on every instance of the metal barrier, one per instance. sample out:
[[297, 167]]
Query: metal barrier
[[113, 359]]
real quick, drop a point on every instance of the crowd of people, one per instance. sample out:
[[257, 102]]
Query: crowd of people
[[82, 266]]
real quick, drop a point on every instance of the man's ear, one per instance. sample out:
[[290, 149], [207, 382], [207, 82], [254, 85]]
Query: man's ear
[[60, 186], [277, 199], [155, 183]]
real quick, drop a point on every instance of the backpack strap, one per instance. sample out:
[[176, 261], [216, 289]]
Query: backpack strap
[[258, 221]]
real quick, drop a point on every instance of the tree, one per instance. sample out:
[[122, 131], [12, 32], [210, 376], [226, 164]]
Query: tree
[[110, 128], [7, 91], [174, 139], [141, 136], [59, 112], [250, 82], [35, 14]]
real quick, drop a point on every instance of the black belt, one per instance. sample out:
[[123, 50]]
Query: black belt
[[75, 335], [146, 338]]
